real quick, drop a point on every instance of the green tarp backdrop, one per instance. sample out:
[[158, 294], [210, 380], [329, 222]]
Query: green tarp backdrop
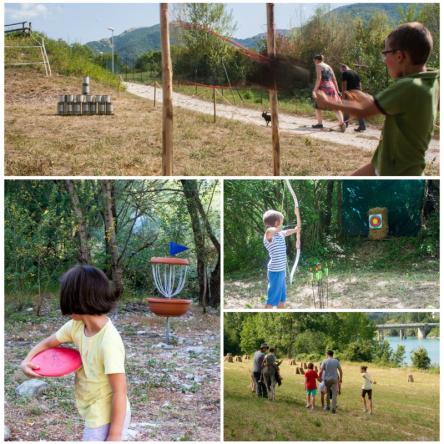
[[402, 198]]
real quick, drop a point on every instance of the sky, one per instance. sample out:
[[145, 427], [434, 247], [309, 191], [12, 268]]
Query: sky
[[84, 22]]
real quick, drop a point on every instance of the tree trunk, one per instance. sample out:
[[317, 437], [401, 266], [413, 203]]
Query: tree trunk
[[84, 255], [328, 207], [214, 285], [199, 227], [339, 230], [110, 235], [430, 204]]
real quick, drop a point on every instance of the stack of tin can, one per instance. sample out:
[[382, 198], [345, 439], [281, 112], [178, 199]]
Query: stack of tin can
[[85, 103]]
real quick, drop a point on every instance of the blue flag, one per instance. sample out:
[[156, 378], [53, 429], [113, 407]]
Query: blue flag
[[176, 248]]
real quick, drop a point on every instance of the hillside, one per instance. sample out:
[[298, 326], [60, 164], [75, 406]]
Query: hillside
[[134, 42], [367, 10]]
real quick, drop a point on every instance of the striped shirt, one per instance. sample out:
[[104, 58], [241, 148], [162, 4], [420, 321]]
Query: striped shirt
[[277, 251]]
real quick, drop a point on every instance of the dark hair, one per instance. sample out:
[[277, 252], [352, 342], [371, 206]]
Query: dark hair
[[319, 57], [364, 367], [84, 289], [272, 349], [310, 365], [413, 38], [330, 353]]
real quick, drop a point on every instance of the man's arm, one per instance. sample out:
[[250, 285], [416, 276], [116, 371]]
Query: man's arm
[[340, 374], [363, 106]]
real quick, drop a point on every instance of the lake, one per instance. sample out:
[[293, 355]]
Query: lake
[[411, 343]]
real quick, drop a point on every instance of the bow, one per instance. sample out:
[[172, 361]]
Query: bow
[[298, 234]]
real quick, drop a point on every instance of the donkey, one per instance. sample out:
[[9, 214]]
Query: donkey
[[270, 377]]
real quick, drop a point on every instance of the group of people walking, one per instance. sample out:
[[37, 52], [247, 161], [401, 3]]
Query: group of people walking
[[326, 82], [329, 377]]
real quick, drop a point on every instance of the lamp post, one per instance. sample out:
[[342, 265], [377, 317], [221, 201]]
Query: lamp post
[[112, 48]]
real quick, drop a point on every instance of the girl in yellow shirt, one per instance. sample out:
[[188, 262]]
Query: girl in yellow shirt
[[100, 384]]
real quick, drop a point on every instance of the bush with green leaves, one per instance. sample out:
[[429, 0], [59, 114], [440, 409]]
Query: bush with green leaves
[[420, 358], [360, 350]]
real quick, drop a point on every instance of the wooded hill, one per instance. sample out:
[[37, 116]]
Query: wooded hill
[[132, 43]]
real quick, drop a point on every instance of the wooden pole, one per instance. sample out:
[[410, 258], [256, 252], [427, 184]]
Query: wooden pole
[[154, 100], [214, 105], [167, 86], [271, 51]]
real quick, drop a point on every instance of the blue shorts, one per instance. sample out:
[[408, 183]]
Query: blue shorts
[[277, 288], [312, 392]]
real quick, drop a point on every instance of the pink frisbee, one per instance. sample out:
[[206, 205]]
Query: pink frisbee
[[57, 361]]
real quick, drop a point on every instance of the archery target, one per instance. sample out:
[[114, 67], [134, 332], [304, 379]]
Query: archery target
[[375, 221]]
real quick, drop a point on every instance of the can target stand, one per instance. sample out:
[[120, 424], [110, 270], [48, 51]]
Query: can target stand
[[378, 227], [84, 104], [169, 275]]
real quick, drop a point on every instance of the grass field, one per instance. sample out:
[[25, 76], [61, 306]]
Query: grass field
[[38, 142], [402, 411]]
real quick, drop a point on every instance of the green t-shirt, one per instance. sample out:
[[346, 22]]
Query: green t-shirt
[[410, 105]]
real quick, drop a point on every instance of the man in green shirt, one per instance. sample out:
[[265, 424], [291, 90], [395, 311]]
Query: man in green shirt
[[409, 104]]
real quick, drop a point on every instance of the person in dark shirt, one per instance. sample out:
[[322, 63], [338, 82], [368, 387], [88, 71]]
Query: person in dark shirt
[[351, 82], [261, 390]]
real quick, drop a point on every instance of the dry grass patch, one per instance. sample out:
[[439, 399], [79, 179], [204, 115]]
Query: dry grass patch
[[38, 142], [402, 411]]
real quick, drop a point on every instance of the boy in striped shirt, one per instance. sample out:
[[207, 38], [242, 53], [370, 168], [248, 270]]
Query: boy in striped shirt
[[274, 242]]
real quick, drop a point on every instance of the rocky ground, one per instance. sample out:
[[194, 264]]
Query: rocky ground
[[174, 389]]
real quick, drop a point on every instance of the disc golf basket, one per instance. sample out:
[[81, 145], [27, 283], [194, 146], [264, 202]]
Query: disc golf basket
[[169, 274], [319, 285]]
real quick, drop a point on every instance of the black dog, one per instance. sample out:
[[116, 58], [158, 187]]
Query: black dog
[[267, 117]]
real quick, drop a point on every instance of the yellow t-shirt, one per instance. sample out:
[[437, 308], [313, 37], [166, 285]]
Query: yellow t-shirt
[[102, 354]]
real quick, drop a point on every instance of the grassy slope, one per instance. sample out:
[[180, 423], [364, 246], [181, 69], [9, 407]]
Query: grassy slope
[[38, 142], [403, 411]]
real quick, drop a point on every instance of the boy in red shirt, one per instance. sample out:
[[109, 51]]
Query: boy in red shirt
[[310, 385]]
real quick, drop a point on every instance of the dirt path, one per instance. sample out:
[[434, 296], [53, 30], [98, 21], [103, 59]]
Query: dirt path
[[288, 123], [174, 390]]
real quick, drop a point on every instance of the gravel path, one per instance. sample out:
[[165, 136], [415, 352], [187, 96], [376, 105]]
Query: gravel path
[[288, 123]]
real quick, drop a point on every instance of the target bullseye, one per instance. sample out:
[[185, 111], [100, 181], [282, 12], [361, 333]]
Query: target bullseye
[[375, 221]]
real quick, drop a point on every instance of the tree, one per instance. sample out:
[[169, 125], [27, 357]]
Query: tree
[[204, 52], [81, 228], [399, 355], [360, 350], [150, 61], [420, 358], [383, 352], [200, 225], [110, 234]]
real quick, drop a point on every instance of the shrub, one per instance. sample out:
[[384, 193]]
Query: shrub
[[360, 350], [420, 358]]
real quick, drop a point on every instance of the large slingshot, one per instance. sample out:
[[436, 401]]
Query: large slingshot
[[169, 274]]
